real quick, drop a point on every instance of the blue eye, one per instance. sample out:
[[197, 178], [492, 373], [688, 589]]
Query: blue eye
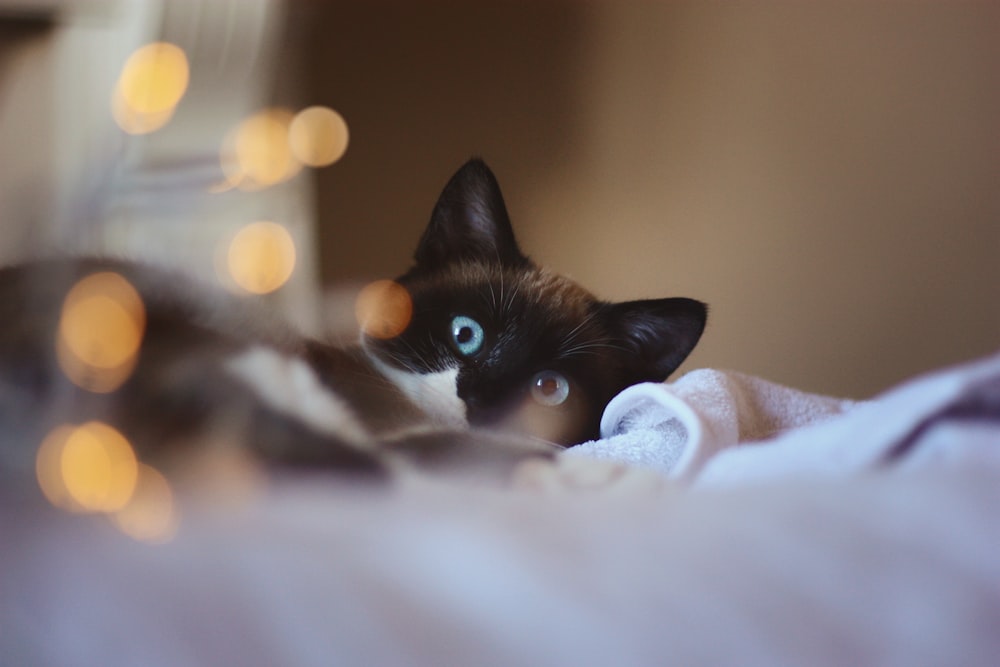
[[467, 334], [550, 388]]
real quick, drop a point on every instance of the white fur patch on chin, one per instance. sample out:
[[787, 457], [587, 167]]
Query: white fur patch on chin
[[434, 393], [291, 387]]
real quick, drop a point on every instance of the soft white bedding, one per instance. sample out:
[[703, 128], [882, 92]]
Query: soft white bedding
[[775, 562], [715, 427]]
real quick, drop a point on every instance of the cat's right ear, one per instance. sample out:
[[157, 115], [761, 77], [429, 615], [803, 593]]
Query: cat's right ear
[[658, 333], [469, 223]]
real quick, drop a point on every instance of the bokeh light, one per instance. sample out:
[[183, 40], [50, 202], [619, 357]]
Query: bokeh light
[[133, 122], [100, 331], [261, 257], [256, 154], [318, 136], [150, 86], [151, 514], [383, 309], [88, 468]]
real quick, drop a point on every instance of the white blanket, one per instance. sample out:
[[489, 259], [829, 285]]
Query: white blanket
[[892, 570], [699, 427]]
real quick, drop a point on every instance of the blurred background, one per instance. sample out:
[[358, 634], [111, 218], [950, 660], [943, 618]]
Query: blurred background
[[825, 176]]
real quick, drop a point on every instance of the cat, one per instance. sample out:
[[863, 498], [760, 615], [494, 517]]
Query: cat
[[497, 358]]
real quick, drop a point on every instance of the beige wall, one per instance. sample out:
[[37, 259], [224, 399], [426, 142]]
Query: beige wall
[[825, 176]]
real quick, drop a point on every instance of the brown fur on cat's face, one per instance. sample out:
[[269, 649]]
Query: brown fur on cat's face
[[526, 348]]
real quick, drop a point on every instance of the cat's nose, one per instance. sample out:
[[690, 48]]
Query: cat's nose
[[485, 403], [482, 412]]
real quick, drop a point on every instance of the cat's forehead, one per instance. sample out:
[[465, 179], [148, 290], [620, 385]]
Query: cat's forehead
[[516, 291]]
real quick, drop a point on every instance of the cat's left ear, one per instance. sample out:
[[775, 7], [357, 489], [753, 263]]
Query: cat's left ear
[[469, 223], [659, 333]]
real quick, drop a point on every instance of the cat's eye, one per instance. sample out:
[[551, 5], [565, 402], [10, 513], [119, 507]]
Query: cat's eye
[[467, 335], [549, 388]]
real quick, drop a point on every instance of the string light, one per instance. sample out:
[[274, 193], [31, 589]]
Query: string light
[[271, 146], [93, 469], [100, 332], [152, 82], [318, 136], [256, 153], [88, 468], [261, 257], [383, 309]]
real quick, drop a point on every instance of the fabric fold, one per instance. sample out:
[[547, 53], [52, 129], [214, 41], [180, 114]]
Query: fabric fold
[[677, 427], [690, 429], [942, 418]]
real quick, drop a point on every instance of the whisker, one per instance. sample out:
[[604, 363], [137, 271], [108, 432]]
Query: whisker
[[578, 329], [510, 301], [591, 347], [415, 354], [501, 291], [489, 283]]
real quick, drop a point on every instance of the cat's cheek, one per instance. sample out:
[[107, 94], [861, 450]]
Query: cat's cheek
[[565, 424]]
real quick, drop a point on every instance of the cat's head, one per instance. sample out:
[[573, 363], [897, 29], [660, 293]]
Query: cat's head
[[520, 346]]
